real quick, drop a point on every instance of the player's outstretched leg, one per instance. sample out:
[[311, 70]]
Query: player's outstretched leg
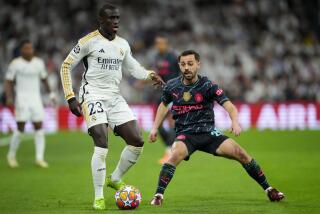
[[98, 163], [129, 131], [178, 153], [230, 149], [14, 145]]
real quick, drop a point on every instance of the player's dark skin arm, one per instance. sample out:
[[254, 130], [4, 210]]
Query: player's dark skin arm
[[8, 88]]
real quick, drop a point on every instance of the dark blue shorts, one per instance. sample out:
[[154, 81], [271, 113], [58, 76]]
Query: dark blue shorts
[[205, 142]]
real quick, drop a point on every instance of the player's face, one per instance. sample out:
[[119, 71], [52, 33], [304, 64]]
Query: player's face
[[189, 67], [27, 50], [161, 44], [110, 21]]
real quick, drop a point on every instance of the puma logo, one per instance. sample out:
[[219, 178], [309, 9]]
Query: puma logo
[[176, 95]]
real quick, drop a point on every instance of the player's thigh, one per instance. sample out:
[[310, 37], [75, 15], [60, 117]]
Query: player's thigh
[[99, 134], [37, 125], [179, 152], [130, 132], [37, 113], [94, 112], [22, 113], [119, 112], [21, 125], [230, 149]]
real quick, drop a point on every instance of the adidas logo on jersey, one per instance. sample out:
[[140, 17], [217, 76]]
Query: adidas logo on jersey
[[101, 51]]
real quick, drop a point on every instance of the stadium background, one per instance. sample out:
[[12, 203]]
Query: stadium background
[[265, 54]]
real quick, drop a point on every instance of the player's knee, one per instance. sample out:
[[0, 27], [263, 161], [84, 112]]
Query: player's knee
[[241, 155], [136, 141], [176, 157], [99, 138]]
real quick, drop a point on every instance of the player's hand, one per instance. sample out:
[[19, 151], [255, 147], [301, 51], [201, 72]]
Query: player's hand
[[236, 129], [153, 135], [53, 99], [157, 80], [75, 107]]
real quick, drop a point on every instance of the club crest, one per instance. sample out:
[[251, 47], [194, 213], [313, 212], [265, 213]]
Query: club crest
[[121, 52], [186, 96]]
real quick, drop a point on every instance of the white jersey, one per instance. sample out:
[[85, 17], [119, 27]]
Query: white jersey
[[27, 76], [104, 61]]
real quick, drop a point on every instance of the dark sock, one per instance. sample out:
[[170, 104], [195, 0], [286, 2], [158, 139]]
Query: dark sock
[[165, 177], [254, 170]]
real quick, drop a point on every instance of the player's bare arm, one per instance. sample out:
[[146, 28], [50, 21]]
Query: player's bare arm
[[160, 116], [233, 114], [8, 87]]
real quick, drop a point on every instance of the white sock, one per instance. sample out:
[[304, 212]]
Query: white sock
[[98, 167], [14, 144], [129, 157], [39, 142]]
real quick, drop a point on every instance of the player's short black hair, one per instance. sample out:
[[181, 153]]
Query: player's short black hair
[[104, 7], [23, 42], [162, 35], [190, 52]]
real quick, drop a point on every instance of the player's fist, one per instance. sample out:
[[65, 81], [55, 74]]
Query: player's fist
[[74, 106], [236, 129], [157, 80], [153, 135]]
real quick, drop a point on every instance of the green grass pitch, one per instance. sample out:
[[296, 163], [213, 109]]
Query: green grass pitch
[[205, 184]]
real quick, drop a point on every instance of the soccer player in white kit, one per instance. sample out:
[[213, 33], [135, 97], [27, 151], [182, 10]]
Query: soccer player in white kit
[[26, 73], [105, 55]]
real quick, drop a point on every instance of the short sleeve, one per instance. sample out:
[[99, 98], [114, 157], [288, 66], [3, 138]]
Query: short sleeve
[[166, 95], [217, 94], [11, 73]]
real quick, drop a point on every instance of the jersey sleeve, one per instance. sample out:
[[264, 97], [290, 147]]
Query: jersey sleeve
[[131, 65], [75, 56], [166, 95], [43, 71], [11, 73], [217, 94]]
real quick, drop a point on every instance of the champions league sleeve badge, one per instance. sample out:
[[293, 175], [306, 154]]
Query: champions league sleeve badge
[[76, 49]]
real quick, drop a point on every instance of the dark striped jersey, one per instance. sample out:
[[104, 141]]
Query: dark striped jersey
[[192, 105]]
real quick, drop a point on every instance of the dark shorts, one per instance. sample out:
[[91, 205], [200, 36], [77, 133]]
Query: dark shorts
[[205, 142]]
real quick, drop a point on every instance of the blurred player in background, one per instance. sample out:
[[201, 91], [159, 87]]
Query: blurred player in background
[[193, 96], [26, 73], [166, 65], [105, 55]]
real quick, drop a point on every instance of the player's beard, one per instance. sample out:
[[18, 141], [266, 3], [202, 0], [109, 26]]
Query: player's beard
[[189, 75]]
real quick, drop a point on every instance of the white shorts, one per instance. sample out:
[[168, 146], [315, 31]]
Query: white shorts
[[29, 112], [113, 112]]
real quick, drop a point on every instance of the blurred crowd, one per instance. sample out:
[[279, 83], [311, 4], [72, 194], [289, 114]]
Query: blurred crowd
[[266, 50]]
